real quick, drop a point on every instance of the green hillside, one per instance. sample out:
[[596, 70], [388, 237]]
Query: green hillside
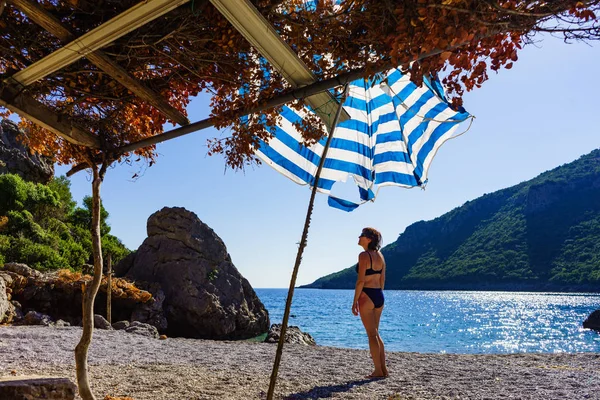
[[41, 225], [543, 234]]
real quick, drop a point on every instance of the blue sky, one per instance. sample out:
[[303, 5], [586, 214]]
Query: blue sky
[[540, 114]]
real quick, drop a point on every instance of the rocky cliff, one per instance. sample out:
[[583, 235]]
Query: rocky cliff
[[15, 157], [543, 234]]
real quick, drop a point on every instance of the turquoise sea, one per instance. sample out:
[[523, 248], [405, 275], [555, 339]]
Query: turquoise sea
[[447, 321]]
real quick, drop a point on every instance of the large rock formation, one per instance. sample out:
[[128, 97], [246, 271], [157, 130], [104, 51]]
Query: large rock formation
[[16, 159], [204, 294]]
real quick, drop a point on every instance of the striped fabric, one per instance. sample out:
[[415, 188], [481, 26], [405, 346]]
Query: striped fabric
[[394, 131]]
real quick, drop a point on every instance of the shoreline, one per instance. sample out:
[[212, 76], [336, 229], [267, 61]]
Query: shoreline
[[123, 364]]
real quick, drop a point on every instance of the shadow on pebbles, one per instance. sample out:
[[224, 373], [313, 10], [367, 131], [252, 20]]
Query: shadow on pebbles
[[123, 364]]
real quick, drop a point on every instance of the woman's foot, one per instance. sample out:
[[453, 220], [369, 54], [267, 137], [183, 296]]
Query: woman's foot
[[376, 375]]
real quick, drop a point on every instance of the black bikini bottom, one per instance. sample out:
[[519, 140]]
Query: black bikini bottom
[[376, 296]]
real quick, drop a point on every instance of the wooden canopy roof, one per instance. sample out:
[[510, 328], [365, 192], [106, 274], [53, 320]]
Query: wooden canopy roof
[[59, 57]]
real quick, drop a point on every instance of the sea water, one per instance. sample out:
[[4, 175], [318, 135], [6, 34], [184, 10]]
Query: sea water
[[446, 321]]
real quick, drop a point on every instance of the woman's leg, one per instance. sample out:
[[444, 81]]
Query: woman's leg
[[367, 315], [377, 313]]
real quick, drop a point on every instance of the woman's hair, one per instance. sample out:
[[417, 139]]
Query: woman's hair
[[375, 237]]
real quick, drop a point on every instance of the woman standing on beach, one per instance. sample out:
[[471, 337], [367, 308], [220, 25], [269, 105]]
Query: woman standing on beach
[[368, 295]]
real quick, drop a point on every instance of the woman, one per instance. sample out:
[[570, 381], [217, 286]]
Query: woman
[[368, 295]]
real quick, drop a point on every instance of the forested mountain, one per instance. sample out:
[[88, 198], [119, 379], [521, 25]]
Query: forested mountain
[[543, 234]]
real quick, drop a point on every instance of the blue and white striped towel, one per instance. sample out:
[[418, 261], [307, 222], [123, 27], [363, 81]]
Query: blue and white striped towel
[[394, 131]]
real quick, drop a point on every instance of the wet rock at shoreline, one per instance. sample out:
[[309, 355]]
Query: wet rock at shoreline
[[593, 321], [204, 294], [293, 334]]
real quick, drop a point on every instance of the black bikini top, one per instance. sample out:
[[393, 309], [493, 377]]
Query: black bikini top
[[370, 271]]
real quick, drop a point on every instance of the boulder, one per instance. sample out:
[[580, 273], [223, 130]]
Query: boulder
[[293, 334], [101, 323], [18, 311], [22, 269], [204, 294], [593, 321], [16, 159], [36, 318], [140, 328], [120, 325], [25, 388]]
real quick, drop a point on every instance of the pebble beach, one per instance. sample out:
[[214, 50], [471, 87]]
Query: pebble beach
[[125, 364]]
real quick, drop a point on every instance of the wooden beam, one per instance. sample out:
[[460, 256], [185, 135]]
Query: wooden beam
[[143, 92], [97, 38], [264, 38], [101, 60], [41, 17], [31, 109]]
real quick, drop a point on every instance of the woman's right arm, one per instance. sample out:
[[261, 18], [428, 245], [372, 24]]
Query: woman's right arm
[[360, 280]]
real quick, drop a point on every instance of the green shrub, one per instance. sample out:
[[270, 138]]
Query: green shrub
[[13, 193], [74, 254], [111, 244], [4, 248], [40, 225], [21, 223], [36, 255]]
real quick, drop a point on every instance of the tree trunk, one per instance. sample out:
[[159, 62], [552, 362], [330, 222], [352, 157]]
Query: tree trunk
[[109, 289], [90, 291]]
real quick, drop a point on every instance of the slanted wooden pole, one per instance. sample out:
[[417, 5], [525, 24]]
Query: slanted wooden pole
[[109, 289], [288, 303]]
